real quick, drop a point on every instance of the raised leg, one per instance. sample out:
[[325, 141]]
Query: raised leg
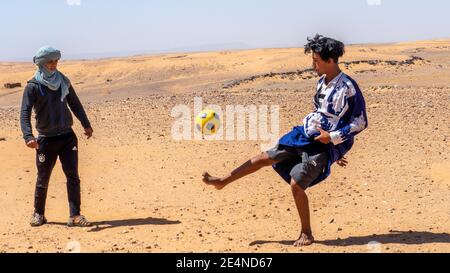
[[251, 166]]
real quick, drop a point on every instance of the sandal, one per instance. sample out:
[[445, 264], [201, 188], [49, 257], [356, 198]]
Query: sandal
[[79, 221], [38, 220]]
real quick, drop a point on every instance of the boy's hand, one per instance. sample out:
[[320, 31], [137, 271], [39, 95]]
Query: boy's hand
[[324, 136], [88, 132], [32, 144], [342, 162]]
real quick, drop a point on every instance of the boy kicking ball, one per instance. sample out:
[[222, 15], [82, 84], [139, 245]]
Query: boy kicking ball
[[303, 157]]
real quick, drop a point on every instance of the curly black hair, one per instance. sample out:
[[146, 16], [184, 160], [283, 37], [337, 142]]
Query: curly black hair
[[327, 48]]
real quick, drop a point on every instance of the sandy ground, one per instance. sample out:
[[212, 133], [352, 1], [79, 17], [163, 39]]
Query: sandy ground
[[143, 189]]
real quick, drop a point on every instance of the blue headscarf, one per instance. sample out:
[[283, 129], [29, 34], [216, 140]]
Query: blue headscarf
[[52, 79]]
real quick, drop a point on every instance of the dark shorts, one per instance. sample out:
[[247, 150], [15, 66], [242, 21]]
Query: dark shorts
[[307, 166]]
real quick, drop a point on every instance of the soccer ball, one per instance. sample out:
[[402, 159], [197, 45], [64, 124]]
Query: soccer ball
[[207, 122]]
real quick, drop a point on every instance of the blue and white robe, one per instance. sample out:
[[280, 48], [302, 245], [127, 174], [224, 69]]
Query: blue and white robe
[[340, 109]]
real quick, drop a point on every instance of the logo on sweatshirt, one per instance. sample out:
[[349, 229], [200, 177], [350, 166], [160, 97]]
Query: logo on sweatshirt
[[42, 158]]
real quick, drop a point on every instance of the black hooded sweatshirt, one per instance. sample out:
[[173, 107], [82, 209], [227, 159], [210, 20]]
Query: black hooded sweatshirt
[[53, 117]]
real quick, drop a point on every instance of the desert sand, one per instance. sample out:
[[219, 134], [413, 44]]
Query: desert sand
[[143, 189]]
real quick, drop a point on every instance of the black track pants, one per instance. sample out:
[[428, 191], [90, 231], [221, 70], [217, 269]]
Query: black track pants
[[50, 148]]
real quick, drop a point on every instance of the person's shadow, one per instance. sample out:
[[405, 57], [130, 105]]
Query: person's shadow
[[394, 237], [99, 226]]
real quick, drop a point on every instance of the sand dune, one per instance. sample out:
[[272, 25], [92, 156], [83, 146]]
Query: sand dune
[[143, 189]]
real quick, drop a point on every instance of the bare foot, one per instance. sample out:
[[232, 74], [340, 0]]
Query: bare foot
[[213, 181], [304, 240]]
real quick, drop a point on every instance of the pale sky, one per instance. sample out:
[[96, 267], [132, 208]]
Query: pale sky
[[106, 28]]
